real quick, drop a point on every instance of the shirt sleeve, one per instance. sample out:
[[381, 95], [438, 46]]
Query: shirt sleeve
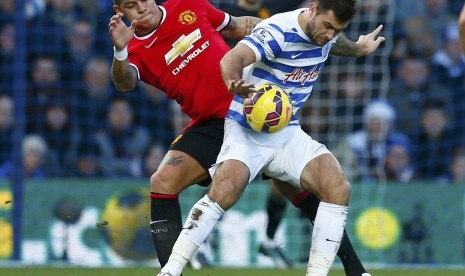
[[266, 41], [217, 18]]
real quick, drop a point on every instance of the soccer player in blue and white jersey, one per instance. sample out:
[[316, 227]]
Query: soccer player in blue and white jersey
[[288, 50]]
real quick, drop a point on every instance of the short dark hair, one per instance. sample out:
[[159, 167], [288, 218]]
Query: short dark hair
[[434, 103], [117, 2], [344, 10]]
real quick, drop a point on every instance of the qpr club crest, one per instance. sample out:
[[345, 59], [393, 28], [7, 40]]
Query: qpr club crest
[[187, 17]]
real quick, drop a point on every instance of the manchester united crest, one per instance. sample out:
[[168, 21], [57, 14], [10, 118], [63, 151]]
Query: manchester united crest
[[187, 17]]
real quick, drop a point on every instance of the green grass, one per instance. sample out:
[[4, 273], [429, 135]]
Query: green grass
[[46, 271]]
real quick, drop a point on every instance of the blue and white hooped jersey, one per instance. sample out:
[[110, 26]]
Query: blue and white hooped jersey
[[285, 57]]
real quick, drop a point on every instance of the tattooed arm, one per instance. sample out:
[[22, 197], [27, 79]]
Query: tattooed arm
[[365, 45], [239, 27], [345, 47], [124, 76]]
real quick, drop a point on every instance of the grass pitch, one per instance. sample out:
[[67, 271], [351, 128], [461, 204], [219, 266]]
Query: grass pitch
[[46, 271]]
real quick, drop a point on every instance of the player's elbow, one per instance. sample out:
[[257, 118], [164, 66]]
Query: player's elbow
[[121, 88], [229, 68], [124, 84], [224, 63]]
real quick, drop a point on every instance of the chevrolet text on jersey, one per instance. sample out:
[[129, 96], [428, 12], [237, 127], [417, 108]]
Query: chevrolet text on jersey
[[190, 57]]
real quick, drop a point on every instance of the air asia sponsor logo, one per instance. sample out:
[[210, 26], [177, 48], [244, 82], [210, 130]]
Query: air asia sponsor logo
[[182, 46], [300, 75], [187, 17]]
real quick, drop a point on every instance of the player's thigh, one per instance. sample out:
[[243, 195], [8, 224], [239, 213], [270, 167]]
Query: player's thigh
[[324, 176], [231, 178], [292, 158], [189, 158], [244, 146], [177, 171], [283, 188]]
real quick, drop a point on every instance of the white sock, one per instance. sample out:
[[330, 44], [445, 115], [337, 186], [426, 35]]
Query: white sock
[[326, 238], [199, 225]]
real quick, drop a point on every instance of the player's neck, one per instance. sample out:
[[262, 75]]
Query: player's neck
[[302, 20]]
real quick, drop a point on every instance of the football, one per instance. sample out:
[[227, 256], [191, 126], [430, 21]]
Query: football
[[269, 110]]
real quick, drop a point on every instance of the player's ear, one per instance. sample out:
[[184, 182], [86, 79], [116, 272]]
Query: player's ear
[[313, 7], [116, 9]]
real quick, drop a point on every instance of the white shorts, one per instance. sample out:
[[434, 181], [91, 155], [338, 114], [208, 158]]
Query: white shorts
[[282, 155]]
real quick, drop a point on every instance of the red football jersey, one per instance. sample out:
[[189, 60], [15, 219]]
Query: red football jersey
[[182, 57]]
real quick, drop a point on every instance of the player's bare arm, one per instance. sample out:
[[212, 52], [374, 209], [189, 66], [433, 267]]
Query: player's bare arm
[[365, 45], [231, 70], [239, 27], [462, 28], [124, 76]]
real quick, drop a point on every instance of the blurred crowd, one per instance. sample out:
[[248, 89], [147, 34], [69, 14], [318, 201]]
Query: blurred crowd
[[78, 125]]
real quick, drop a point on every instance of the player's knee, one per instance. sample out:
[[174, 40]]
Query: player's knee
[[225, 193], [340, 193], [162, 183]]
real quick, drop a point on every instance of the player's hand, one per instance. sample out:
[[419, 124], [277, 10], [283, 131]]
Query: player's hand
[[241, 89], [370, 42], [120, 33]]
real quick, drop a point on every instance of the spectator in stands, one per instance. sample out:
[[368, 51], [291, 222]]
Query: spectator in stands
[[462, 28], [433, 142], [407, 9], [254, 8], [363, 152], [80, 49], [63, 12], [7, 46], [152, 159], [398, 166], [34, 150], [103, 43], [46, 34], [122, 143], [276, 6], [153, 112], [94, 95], [45, 85], [409, 89], [372, 13], [7, 5], [6, 128], [315, 118], [350, 95], [88, 164], [448, 63], [423, 30], [62, 138], [34, 8], [448, 67], [246, 8], [457, 167]]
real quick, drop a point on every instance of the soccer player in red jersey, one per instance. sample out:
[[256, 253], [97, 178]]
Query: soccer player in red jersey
[[177, 47]]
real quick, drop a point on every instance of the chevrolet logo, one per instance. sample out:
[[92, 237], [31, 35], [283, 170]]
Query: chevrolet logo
[[182, 46]]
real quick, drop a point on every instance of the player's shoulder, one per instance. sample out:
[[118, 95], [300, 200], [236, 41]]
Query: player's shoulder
[[281, 22]]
